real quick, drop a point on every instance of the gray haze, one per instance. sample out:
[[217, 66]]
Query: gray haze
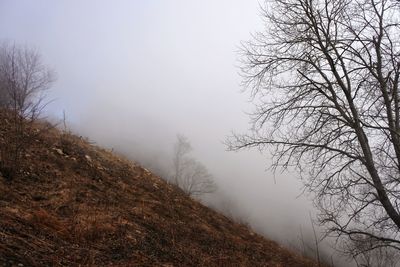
[[133, 74]]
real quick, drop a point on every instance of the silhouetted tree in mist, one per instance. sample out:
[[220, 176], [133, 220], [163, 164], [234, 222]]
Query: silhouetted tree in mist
[[324, 77], [188, 173]]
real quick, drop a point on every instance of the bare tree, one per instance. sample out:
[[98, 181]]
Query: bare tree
[[182, 148], [324, 77], [23, 79], [189, 174]]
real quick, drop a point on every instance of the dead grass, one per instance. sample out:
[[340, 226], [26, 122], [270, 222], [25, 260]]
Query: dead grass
[[75, 204]]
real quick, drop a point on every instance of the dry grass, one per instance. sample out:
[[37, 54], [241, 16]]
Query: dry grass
[[75, 204]]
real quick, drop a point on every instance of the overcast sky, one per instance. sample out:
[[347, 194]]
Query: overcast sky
[[132, 74]]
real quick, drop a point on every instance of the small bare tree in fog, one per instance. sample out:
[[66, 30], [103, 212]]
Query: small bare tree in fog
[[23, 79], [189, 174], [324, 76]]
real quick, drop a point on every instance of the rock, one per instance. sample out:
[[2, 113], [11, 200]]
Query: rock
[[59, 151], [88, 158]]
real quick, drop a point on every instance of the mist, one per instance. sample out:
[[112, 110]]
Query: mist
[[131, 75]]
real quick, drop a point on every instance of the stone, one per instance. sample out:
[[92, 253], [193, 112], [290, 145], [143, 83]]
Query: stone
[[59, 151]]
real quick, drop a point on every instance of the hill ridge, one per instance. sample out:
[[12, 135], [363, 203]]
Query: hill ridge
[[76, 204]]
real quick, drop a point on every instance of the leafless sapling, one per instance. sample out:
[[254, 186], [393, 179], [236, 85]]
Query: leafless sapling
[[188, 173], [23, 80]]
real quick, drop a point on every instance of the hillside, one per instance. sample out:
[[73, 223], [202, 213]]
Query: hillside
[[75, 204]]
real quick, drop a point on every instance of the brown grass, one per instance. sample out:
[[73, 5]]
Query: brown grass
[[75, 204]]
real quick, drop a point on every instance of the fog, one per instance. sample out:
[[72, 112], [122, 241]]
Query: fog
[[133, 74]]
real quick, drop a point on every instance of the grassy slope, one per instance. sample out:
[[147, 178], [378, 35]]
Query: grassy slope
[[79, 205]]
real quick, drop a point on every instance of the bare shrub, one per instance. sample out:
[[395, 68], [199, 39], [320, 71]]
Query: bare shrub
[[23, 80], [367, 252]]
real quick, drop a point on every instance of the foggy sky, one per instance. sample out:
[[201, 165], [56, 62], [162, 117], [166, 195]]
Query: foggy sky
[[133, 74]]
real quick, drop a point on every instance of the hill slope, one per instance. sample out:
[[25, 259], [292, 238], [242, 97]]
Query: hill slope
[[75, 204]]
